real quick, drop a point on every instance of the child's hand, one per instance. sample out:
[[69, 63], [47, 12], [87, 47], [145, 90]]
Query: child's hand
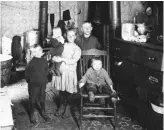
[[81, 85], [111, 86], [57, 59], [61, 39], [54, 58], [113, 91]]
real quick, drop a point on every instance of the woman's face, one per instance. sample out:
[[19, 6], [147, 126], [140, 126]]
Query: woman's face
[[71, 36]]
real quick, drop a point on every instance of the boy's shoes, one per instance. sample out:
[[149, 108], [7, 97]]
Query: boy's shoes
[[60, 110], [32, 114], [66, 113], [43, 112], [45, 116], [91, 97], [33, 119]]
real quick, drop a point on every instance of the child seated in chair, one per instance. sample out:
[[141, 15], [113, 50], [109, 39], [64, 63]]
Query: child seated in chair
[[97, 80]]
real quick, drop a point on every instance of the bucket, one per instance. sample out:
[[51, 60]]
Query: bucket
[[127, 31], [6, 63], [31, 37]]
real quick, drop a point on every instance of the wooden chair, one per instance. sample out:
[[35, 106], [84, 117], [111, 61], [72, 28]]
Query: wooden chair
[[86, 55]]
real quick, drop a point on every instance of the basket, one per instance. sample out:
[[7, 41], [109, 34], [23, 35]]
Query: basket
[[6, 64]]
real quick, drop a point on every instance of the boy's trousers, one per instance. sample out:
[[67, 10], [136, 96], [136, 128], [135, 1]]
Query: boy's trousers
[[36, 92], [103, 89]]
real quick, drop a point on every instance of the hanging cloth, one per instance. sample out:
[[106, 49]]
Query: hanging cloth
[[49, 26], [52, 19]]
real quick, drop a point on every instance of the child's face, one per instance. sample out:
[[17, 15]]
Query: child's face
[[71, 36], [96, 64], [38, 52], [87, 28], [57, 33]]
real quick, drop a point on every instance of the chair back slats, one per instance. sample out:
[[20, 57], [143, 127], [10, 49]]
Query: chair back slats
[[94, 52], [85, 61]]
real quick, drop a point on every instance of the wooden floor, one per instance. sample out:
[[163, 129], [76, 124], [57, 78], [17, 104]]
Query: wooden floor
[[19, 91]]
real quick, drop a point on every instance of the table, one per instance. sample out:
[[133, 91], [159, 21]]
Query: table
[[6, 117]]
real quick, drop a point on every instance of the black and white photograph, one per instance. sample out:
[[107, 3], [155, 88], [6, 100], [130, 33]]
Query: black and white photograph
[[81, 65]]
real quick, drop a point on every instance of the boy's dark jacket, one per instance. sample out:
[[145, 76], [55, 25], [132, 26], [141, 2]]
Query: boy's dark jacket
[[36, 71]]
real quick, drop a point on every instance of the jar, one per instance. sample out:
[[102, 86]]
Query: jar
[[127, 31], [141, 28]]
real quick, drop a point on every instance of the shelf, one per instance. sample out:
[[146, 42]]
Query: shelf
[[146, 45]]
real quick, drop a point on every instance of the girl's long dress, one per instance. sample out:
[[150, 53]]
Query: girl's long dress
[[68, 79]]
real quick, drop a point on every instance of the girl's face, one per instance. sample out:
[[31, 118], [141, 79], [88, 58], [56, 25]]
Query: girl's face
[[97, 65], [71, 36]]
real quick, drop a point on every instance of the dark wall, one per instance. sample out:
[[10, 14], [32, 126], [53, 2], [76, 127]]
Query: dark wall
[[98, 15], [99, 10]]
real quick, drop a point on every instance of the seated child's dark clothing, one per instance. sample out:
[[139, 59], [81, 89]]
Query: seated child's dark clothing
[[102, 89], [56, 50]]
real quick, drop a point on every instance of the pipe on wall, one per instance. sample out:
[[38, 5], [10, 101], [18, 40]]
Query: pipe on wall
[[43, 21], [115, 18], [1, 33]]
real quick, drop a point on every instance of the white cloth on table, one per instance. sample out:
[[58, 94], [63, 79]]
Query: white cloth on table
[[6, 118], [6, 45]]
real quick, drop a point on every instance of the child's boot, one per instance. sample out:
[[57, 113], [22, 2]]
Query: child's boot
[[91, 96], [66, 113], [43, 112], [60, 110], [32, 115]]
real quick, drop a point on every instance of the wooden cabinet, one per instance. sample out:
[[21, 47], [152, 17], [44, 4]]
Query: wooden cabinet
[[139, 53], [136, 63], [137, 70]]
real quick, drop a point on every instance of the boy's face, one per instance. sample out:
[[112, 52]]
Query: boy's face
[[71, 36], [57, 33], [96, 64], [38, 52], [87, 28]]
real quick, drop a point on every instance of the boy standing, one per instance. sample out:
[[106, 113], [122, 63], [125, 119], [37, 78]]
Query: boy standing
[[36, 76], [87, 41]]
